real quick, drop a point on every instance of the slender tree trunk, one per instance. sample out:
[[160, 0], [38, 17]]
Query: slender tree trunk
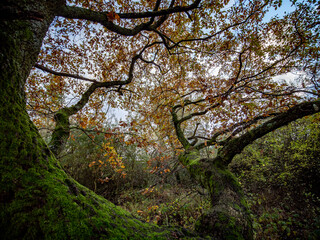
[[228, 217], [37, 199]]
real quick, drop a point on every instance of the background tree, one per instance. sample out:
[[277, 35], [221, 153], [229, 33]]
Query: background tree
[[183, 41]]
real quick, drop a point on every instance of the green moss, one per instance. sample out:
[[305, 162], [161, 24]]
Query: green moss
[[39, 201], [228, 217], [230, 227], [189, 159], [48, 209], [61, 132], [42, 202]]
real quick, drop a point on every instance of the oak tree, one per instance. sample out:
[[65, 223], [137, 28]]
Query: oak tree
[[179, 65], [228, 87]]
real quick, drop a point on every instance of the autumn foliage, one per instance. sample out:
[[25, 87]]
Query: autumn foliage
[[199, 81], [222, 65]]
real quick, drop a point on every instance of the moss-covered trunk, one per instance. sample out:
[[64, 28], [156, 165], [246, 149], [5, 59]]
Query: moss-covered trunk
[[228, 217], [37, 199]]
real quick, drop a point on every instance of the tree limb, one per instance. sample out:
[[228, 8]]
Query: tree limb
[[102, 17], [62, 129], [161, 12], [236, 145], [63, 74]]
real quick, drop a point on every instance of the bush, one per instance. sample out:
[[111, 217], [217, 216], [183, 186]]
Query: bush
[[104, 165]]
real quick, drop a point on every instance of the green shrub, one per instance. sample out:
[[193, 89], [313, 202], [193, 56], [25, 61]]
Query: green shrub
[[280, 174]]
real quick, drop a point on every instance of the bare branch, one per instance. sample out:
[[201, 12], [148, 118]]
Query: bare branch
[[102, 132], [199, 113], [63, 74], [222, 30]]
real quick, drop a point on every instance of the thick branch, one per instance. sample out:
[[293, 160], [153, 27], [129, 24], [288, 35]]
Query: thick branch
[[177, 125], [99, 17], [236, 145], [102, 17], [161, 12]]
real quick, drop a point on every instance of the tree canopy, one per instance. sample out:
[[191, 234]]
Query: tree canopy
[[194, 74], [213, 69]]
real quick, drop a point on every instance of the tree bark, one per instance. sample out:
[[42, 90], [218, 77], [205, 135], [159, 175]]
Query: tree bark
[[38, 200], [228, 217]]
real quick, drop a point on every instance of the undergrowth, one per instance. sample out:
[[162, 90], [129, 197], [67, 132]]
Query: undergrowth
[[166, 205]]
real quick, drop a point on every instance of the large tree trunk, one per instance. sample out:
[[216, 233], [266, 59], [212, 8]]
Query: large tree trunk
[[37, 199], [228, 217]]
